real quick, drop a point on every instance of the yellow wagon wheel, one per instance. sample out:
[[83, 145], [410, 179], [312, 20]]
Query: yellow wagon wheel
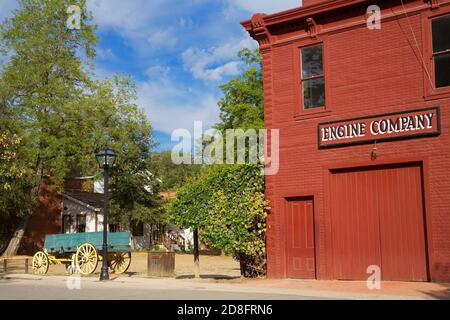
[[119, 262], [86, 258], [40, 263]]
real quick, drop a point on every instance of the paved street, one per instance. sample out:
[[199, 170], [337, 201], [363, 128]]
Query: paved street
[[137, 288], [56, 287]]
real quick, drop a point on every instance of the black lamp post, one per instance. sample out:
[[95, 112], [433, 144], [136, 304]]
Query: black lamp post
[[105, 159]]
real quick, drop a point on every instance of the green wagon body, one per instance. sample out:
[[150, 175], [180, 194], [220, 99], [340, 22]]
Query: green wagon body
[[68, 243], [81, 252]]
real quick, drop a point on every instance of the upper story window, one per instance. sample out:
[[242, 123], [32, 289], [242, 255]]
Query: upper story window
[[441, 51], [313, 81]]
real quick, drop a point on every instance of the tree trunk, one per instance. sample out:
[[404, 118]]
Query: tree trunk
[[150, 235], [15, 241], [196, 256]]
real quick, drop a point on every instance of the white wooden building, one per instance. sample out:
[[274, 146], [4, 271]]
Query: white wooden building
[[81, 211]]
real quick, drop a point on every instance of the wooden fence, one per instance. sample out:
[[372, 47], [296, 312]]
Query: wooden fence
[[14, 265]]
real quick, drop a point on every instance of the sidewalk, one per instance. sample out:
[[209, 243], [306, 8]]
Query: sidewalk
[[389, 289], [352, 290]]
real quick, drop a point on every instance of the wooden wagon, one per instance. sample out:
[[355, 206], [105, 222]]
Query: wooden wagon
[[82, 251]]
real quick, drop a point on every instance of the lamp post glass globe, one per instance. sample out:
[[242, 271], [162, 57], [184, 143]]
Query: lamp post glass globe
[[106, 157]]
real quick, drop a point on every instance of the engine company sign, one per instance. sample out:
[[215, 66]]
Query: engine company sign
[[393, 126]]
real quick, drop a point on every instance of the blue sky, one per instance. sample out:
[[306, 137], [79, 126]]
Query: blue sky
[[178, 52]]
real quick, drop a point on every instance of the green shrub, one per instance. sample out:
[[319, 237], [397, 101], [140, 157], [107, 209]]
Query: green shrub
[[227, 205]]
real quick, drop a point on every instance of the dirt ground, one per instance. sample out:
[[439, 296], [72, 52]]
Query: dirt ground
[[221, 267], [217, 266]]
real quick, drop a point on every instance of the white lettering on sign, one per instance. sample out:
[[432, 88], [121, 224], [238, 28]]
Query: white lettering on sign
[[344, 131], [402, 124], [424, 122]]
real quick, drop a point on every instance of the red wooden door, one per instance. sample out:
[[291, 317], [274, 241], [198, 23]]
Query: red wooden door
[[402, 239], [378, 219], [355, 224], [300, 239]]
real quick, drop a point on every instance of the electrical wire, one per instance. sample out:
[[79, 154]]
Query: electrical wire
[[417, 44]]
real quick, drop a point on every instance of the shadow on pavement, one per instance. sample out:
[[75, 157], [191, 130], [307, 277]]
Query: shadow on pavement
[[443, 294], [208, 276]]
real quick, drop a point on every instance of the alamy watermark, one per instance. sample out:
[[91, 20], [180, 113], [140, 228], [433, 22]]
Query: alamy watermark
[[236, 146], [374, 280], [73, 21], [373, 17], [74, 280]]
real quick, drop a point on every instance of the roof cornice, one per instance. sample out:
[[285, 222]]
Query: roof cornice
[[258, 25], [307, 11], [302, 12], [261, 26], [79, 202]]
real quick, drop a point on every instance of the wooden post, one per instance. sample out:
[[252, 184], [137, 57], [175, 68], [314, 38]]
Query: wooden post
[[196, 256], [5, 265], [26, 266], [161, 264]]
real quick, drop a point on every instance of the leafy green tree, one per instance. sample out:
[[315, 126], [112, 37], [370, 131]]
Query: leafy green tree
[[226, 203], [62, 116], [15, 181], [44, 83], [14, 176], [125, 129], [242, 106], [41, 85], [170, 174]]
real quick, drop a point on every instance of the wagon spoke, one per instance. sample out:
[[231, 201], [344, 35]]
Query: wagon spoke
[[120, 262], [86, 258], [40, 263]]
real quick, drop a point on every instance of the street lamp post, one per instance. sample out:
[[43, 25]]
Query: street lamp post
[[105, 159]]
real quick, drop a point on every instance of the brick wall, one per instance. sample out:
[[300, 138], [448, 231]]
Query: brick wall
[[46, 219], [368, 72]]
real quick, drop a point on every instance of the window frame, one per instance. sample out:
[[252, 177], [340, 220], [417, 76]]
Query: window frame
[[306, 79], [438, 53], [300, 112], [66, 224], [431, 92], [83, 216]]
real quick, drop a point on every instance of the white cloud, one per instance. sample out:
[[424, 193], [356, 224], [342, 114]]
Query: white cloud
[[265, 6], [214, 63], [171, 106], [134, 20], [105, 54], [162, 39], [121, 15], [157, 71], [217, 74]]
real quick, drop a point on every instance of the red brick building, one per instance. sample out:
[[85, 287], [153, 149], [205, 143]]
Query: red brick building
[[364, 117]]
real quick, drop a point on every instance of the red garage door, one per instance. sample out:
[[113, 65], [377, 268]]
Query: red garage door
[[300, 238], [377, 217]]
